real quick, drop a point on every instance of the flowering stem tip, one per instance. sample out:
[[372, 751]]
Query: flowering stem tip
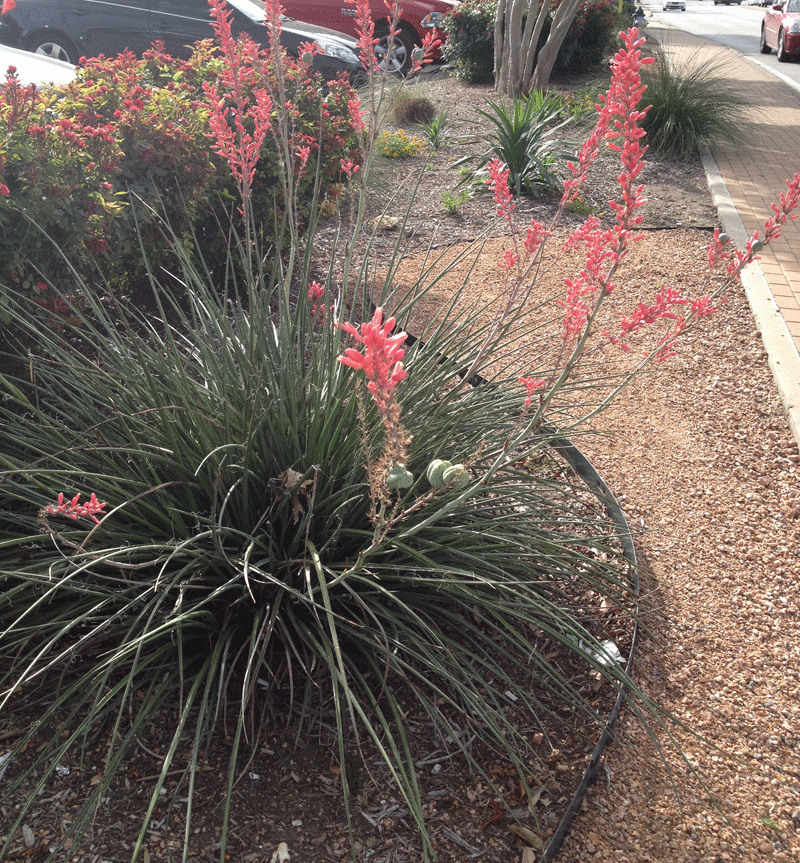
[[75, 510]]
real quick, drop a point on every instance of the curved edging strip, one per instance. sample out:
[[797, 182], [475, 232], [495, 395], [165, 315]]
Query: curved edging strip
[[584, 469], [581, 465]]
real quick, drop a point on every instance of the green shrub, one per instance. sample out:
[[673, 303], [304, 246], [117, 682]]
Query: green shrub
[[690, 105], [102, 165], [589, 36], [469, 47], [267, 536], [56, 202]]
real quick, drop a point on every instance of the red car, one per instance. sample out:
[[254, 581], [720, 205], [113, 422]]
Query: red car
[[417, 17], [780, 29]]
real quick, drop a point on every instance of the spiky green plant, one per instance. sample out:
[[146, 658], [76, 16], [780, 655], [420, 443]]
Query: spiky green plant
[[436, 131], [691, 104], [523, 138]]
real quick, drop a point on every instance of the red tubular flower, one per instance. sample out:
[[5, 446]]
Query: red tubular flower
[[498, 182], [75, 510], [381, 360], [316, 292], [531, 385], [240, 148], [423, 55], [365, 27], [354, 108]]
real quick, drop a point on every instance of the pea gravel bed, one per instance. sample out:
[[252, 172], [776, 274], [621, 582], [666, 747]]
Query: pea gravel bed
[[701, 456]]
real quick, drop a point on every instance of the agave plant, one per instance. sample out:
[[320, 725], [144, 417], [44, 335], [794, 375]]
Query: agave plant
[[523, 138]]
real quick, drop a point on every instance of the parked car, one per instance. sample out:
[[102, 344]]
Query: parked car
[[69, 29], [33, 68], [680, 5], [780, 30], [727, 2], [417, 17]]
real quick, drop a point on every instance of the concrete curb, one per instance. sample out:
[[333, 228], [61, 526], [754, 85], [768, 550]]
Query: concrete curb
[[783, 357]]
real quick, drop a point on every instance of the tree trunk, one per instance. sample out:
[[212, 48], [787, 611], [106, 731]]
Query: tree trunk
[[515, 50], [562, 21]]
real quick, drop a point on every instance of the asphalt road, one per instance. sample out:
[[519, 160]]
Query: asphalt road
[[738, 27]]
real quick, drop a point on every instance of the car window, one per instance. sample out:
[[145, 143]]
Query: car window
[[109, 27]]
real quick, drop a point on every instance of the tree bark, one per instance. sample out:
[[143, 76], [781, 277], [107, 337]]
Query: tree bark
[[515, 49], [565, 14]]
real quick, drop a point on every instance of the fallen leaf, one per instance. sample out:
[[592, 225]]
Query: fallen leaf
[[385, 223], [281, 854], [528, 855], [293, 482], [527, 836]]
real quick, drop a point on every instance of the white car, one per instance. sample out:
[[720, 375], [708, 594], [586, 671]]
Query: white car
[[34, 68], [680, 5]]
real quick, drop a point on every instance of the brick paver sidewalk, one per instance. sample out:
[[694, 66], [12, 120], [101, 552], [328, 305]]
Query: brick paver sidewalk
[[755, 173]]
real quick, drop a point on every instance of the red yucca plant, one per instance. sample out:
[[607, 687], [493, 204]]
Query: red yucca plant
[[295, 516]]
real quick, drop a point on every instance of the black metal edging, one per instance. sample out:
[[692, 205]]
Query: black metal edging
[[584, 469]]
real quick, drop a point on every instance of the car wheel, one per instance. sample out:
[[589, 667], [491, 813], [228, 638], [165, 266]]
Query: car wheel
[[53, 45], [398, 60], [782, 55], [763, 47]]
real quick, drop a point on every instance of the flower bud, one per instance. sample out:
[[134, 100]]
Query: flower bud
[[398, 477], [455, 475], [435, 471]]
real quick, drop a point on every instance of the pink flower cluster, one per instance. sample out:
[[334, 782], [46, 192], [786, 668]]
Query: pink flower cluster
[[365, 27], [75, 510], [316, 292], [531, 385], [239, 147], [618, 122], [498, 182], [381, 361], [720, 249]]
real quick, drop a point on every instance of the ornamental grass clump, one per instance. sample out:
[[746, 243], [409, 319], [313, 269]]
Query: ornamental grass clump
[[691, 104], [294, 512]]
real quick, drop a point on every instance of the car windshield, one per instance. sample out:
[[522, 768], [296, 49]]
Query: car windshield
[[253, 9]]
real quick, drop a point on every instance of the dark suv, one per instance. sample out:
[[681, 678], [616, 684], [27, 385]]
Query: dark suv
[[70, 29]]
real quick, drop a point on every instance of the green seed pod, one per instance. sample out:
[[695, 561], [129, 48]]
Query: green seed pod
[[307, 57], [757, 246], [435, 470], [456, 475], [418, 55], [398, 477]]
